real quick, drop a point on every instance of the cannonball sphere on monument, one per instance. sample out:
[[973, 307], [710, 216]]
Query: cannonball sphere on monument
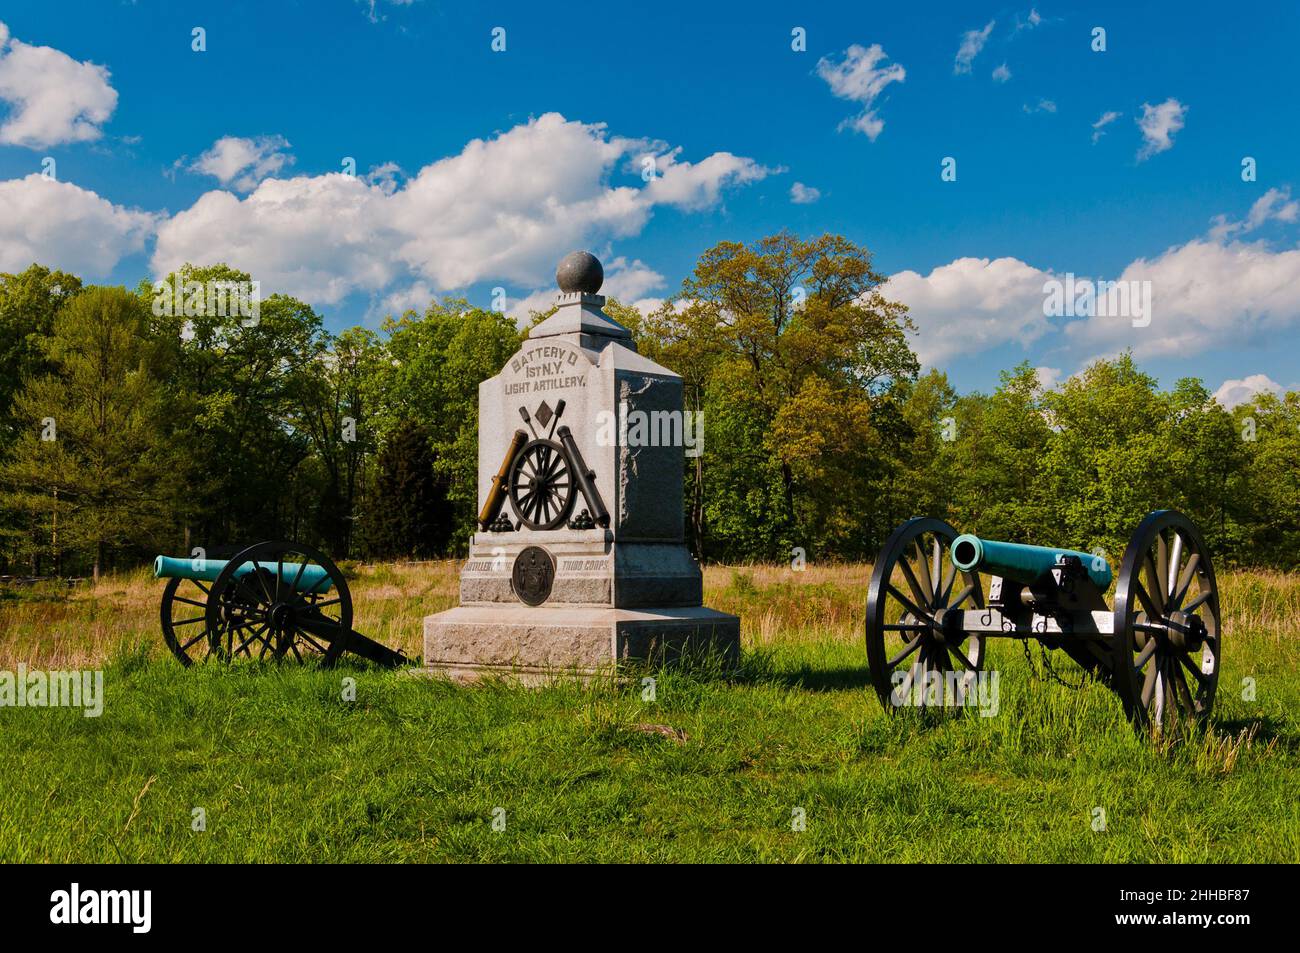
[[580, 271]]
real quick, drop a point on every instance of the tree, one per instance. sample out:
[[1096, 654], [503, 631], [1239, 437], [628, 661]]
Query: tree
[[434, 365], [411, 513], [237, 403], [795, 338], [88, 458]]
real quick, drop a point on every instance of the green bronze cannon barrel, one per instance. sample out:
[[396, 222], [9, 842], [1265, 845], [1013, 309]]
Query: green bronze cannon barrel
[[313, 578], [1024, 564]]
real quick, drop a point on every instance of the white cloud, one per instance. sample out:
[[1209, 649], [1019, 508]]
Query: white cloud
[[970, 305], [1275, 205], [698, 186], [1205, 294], [1232, 393], [499, 210], [1043, 106], [972, 41], [243, 163], [1105, 120], [64, 226], [860, 78], [1001, 73], [801, 194], [627, 281], [52, 99], [1159, 124], [1048, 377]]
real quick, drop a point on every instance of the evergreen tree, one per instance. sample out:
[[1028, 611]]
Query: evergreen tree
[[86, 464], [410, 512]]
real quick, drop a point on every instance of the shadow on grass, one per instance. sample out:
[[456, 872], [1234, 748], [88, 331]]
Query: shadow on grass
[[824, 679], [1264, 728]]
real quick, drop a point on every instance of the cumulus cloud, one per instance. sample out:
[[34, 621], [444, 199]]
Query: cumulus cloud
[[1043, 106], [1098, 127], [243, 163], [62, 225], [1213, 292], [52, 99], [1275, 205], [972, 41], [627, 281], [801, 194], [498, 210], [1048, 377], [1159, 124], [971, 305], [1232, 393], [861, 77], [1205, 294], [1001, 74]]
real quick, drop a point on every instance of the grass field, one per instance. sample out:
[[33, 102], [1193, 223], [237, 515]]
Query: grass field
[[712, 770]]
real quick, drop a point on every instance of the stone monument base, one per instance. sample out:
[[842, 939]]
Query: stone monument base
[[535, 644]]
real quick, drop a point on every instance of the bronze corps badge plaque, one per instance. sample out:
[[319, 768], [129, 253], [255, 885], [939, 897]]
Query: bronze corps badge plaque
[[532, 576]]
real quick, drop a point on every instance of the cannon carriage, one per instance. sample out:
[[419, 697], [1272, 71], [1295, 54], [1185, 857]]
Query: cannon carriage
[[273, 600], [936, 597]]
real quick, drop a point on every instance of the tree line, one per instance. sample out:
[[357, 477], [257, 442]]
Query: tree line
[[125, 432]]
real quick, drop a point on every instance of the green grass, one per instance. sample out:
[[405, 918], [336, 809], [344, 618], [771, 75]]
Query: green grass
[[285, 770], [712, 770]]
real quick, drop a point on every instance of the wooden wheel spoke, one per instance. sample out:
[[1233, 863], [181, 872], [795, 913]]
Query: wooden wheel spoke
[[1180, 689], [963, 596], [907, 603], [1161, 580], [1199, 601], [186, 646], [1155, 594], [1185, 580], [923, 577], [1153, 612], [1149, 683], [945, 587], [1144, 656], [961, 656], [255, 635], [1201, 677], [918, 592], [907, 650], [1173, 570], [936, 564]]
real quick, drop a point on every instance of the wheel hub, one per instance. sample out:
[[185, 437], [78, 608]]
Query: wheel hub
[[947, 625]]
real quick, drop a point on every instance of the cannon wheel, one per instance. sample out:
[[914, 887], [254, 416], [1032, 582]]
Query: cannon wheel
[[910, 623], [1168, 639], [261, 614], [184, 620], [541, 485]]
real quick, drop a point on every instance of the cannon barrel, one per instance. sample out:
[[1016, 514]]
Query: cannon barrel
[[1024, 564], [179, 567], [584, 478]]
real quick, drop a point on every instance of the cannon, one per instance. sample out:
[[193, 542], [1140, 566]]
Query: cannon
[[275, 599], [1157, 642]]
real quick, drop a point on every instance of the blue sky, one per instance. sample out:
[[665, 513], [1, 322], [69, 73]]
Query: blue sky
[[477, 169]]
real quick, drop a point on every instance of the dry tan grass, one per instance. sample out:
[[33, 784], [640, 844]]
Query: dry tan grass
[[71, 628]]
